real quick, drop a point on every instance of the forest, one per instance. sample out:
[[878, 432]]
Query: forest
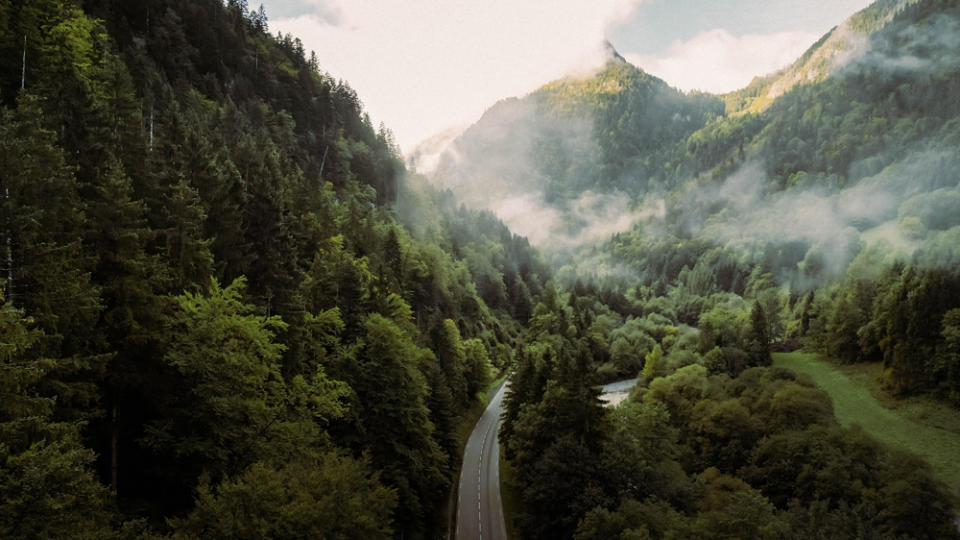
[[231, 310], [220, 288]]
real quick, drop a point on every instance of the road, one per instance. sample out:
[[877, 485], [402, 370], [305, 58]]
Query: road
[[479, 510]]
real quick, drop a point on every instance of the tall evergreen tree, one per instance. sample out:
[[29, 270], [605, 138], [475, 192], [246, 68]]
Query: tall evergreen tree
[[758, 338], [47, 487], [46, 267], [393, 422]]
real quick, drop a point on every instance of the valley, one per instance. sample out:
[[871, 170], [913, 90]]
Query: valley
[[233, 308]]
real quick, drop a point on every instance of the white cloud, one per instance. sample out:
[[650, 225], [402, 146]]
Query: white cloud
[[422, 65], [717, 61]]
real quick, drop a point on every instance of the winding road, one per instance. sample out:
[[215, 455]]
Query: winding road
[[479, 510]]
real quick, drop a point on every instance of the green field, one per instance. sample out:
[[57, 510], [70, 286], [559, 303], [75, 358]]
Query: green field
[[854, 404]]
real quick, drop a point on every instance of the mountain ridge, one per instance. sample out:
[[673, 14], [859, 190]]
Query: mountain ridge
[[621, 130]]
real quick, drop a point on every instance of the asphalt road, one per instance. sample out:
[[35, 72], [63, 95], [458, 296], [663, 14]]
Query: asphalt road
[[479, 510]]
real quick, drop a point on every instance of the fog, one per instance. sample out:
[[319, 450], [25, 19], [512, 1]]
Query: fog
[[499, 164], [912, 50], [907, 203], [535, 169]]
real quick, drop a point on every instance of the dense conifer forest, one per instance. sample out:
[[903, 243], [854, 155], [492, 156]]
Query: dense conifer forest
[[222, 289], [230, 310]]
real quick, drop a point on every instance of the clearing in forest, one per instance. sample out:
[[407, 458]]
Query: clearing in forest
[[854, 404]]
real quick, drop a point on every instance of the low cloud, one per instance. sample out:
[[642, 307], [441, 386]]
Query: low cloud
[[913, 50], [445, 62], [325, 10], [499, 164], [901, 206], [588, 220], [718, 61]]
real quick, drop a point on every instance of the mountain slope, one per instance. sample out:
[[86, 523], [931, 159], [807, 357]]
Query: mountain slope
[[825, 217], [829, 54], [590, 156], [544, 163], [214, 293]]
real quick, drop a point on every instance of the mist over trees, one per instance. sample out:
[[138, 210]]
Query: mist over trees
[[838, 169], [229, 310]]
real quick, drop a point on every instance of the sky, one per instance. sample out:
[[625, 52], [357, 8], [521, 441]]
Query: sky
[[422, 67]]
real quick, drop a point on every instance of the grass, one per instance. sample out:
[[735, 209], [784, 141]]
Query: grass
[[919, 425], [921, 409]]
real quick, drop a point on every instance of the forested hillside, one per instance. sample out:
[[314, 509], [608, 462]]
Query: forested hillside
[[227, 311]]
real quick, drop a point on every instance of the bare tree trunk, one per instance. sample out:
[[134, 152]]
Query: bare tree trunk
[[6, 192], [151, 127], [23, 72], [323, 161]]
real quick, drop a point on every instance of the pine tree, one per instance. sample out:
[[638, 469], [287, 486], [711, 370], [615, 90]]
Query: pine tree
[[46, 267], [393, 422], [131, 329], [47, 488], [187, 250], [757, 339]]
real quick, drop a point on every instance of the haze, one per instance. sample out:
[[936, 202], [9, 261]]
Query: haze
[[424, 66]]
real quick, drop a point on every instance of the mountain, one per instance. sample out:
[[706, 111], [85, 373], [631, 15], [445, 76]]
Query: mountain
[[547, 162], [825, 57], [585, 157]]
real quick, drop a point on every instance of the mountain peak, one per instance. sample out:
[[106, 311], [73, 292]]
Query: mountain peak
[[610, 53]]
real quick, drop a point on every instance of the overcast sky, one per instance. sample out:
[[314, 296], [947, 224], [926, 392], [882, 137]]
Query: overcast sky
[[424, 66]]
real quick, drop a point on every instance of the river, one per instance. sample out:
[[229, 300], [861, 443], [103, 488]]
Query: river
[[612, 394]]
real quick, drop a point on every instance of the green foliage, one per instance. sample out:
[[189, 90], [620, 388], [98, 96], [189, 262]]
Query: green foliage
[[47, 269], [141, 172], [332, 497], [652, 363], [47, 486], [760, 456], [160, 148], [236, 396], [478, 370], [392, 418], [951, 352]]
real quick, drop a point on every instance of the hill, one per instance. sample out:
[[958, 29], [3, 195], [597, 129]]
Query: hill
[[229, 311], [214, 292], [594, 155]]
